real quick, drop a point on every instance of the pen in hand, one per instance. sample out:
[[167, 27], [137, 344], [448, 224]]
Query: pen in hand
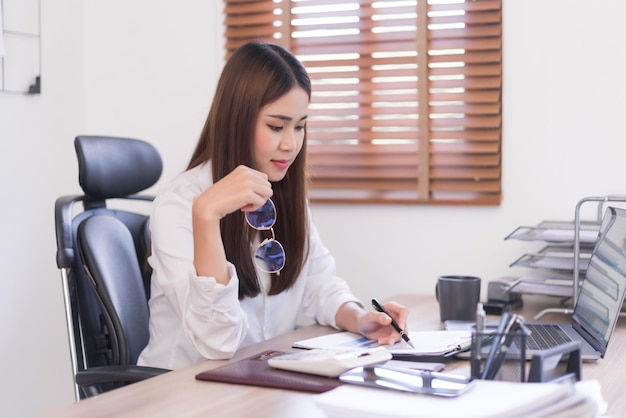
[[380, 308]]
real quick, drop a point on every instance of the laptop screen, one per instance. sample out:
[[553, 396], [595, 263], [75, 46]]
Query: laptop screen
[[602, 290]]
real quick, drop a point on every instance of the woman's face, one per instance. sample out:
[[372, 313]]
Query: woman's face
[[279, 133]]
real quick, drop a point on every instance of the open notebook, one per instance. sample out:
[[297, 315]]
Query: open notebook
[[427, 343]]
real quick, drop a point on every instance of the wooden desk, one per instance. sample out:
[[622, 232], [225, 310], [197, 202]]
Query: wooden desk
[[179, 394]]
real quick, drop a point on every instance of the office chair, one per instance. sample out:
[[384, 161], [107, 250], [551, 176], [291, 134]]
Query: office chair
[[101, 253]]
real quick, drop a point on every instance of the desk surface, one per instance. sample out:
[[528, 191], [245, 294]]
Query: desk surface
[[179, 394]]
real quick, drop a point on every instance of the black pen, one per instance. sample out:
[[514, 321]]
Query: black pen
[[394, 324]]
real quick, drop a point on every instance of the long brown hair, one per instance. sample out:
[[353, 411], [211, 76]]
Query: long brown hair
[[257, 74]]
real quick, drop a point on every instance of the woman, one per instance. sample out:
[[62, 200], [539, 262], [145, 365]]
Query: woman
[[215, 286]]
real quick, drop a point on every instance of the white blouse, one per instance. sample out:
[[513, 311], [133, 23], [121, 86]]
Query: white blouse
[[193, 318]]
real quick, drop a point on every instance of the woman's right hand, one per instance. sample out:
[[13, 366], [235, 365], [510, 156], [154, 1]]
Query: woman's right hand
[[242, 189]]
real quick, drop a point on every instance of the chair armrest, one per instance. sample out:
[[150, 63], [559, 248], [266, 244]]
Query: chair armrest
[[116, 374]]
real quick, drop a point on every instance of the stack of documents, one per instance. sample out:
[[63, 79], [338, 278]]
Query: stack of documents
[[486, 399], [427, 343]]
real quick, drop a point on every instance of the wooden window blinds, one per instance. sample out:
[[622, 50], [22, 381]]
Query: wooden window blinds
[[406, 103]]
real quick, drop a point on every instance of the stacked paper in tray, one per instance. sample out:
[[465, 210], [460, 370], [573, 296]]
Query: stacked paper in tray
[[551, 269], [486, 399]]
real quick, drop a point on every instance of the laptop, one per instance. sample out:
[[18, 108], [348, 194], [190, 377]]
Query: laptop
[[600, 297]]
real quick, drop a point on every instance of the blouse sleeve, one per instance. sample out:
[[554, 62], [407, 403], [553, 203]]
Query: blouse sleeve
[[211, 315]]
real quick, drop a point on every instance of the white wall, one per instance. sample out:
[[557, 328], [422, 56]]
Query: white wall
[[147, 68], [36, 166]]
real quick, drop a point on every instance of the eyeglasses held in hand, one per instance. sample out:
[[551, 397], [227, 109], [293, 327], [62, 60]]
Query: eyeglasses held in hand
[[270, 254]]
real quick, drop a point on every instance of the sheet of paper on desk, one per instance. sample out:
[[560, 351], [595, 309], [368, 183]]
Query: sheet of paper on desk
[[486, 399], [433, 343]]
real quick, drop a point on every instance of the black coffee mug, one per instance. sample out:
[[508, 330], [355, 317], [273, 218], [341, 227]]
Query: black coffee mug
[[457, 297]]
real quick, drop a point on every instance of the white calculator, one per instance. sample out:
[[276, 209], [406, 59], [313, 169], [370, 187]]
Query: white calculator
[[330, 363]]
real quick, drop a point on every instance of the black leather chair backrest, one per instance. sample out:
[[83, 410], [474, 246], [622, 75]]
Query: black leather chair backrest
[[101, 251], [108, 251]]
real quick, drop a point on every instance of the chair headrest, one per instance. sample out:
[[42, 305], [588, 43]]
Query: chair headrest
[[110, 167]]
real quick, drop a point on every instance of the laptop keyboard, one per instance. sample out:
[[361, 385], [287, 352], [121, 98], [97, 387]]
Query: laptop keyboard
[[545, 336]]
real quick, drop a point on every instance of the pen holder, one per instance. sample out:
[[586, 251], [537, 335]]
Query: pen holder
[[498, 356]]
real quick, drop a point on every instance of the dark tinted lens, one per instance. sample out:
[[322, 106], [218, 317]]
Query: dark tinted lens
[[270, 256], [264, 217]]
